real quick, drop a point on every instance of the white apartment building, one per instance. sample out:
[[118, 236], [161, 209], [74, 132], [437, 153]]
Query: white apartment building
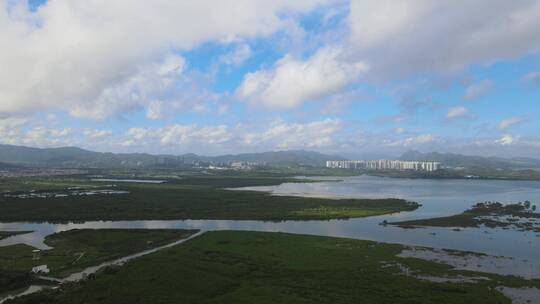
[[384, 164]]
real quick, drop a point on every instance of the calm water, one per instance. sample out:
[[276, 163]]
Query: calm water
[[438, 197]]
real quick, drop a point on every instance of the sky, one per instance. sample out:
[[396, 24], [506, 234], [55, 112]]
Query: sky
[[356, 78]]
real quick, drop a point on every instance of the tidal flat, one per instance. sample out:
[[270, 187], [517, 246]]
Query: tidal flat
[[520, 216]]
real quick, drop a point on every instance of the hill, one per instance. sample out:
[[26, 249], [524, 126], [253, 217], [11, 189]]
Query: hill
[[291, 157], [79, 158], [469, 161]]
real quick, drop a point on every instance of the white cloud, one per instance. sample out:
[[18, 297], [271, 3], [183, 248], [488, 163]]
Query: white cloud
[[478, 89], [409, 36], [208, 139], [292, 82], [12, 122], [155, 110], [282, 135], [182, 134], [88, 56], [240, 54], [505, 140], [97, 134], [424, 138], [507, 123], [457, 112], [177, 135], [408, 142], [532, 77], [146, 82], [61, 132], [140, 133], [38, 136]]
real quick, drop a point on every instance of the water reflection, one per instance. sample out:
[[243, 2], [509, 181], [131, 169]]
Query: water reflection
[[438, 197]]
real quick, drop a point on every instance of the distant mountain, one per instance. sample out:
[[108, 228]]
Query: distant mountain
[[468, 161], [291, 157], [4, 166], [77, 157], [20, 154]]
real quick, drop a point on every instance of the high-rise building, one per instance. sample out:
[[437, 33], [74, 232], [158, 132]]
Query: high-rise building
[[384, 164]]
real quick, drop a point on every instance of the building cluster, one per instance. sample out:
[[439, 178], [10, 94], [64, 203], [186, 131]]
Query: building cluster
[[384, 164], [246, 165]]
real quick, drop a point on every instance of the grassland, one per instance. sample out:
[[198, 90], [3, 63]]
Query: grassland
[[199, 197], [13, 280], [75, 250], [489, 214], [258, 267]]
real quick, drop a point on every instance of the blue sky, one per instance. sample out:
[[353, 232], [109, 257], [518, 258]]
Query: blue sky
[[358, 78]]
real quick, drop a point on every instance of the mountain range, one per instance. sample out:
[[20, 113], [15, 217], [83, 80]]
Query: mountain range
[[473, 162], [76, 157]]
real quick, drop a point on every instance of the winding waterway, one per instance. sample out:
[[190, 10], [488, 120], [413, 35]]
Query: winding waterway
[[438, 198]]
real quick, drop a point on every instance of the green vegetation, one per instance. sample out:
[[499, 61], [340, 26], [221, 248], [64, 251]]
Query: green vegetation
[[13, 280], [196, 197], [75, 250], [258, 267], [489, 214], [6, 234], [337, 212]]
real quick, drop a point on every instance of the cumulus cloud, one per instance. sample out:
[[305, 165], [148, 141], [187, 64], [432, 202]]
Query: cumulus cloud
[[402, 37], [478, 89], [282, 135], [240, 54], [38, 136], [512, 121], [505, 140], [408, 142], [457, 113], [178, 134], [91, 57], [97, 134], [223, 138], [291, 81], [533, 77], [146, 82], [424, 138]]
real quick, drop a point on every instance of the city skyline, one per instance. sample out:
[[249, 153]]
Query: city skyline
[[385, 164], [331, 76]]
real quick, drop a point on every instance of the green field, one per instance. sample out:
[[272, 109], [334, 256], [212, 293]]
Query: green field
[[258, 267], [13, 280], [186, 198]]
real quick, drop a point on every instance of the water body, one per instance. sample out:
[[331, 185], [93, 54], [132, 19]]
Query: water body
[[438, 198]]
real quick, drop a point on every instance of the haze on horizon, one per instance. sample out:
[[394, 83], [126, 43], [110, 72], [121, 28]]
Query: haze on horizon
[[214, 77]]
